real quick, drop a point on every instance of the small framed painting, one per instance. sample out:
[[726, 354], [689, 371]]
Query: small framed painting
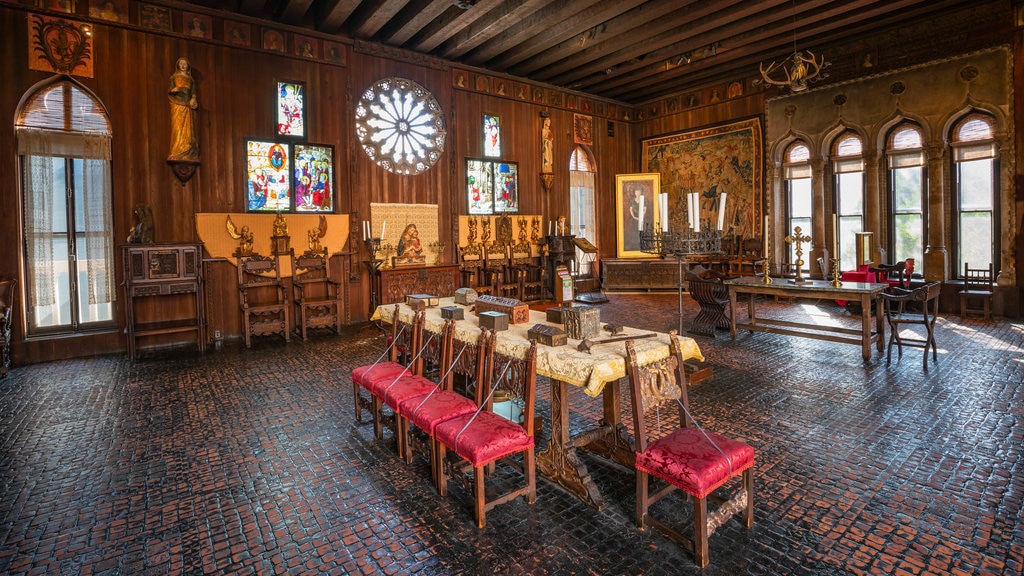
[[313, 175], [268, 188], [290, 109], [305, 46], [196, 25], [237, 33]]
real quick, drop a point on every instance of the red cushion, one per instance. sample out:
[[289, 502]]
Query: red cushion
[[427, 411], [408, 386], [687, 460], [365, 376], [488, 437]]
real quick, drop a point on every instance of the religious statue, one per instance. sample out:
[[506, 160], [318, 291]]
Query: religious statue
[[182, 95], [280, 226], [244, 237], [315, 234], [473, 223], [547, 164], [142, 233], [485, 236], [535, 230]]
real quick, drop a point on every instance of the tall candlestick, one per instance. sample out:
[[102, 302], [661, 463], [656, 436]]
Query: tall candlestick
[[721, 212], [766, 236], [835, 236]]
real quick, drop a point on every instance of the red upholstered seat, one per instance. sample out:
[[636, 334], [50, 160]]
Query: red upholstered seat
[[687, 459], [487, 438], [367, 376], [409, 386], [431, 409]]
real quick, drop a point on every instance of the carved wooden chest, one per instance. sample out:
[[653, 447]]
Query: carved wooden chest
[[547, 335], [493, 320], [518, 313]]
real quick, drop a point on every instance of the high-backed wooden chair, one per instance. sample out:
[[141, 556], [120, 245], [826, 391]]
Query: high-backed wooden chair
[[977, 286], [746, 261], [496, 268], [896, 275], [317, 298], [689, 458], [528, 275], [899, 315], [7, 286], [471, 268], [482, 438], [263, 298]]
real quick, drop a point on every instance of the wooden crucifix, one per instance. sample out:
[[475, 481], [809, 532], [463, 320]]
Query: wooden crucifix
[[799, 239]]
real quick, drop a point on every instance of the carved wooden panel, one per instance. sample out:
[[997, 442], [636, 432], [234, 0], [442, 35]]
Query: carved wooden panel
[[439, 281], [621, 274]]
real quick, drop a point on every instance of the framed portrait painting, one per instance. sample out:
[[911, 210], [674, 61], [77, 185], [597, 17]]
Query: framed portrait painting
[[267, 186], [313, 175], [636, 210], [290, 109]]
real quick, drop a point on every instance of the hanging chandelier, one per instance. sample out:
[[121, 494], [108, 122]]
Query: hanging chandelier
[[796, 71]]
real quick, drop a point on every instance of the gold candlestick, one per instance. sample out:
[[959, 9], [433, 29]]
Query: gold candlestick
[[835, 273]]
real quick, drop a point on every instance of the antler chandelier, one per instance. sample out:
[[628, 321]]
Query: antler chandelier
[[796, 71]]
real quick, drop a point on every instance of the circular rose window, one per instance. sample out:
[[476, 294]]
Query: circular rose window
[[400, 126]]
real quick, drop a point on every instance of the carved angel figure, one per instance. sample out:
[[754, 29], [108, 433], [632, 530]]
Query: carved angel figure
[[315, 234], [472, 231], [244, 237]]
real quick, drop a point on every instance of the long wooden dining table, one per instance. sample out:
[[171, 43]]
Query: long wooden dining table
[[597, 372]]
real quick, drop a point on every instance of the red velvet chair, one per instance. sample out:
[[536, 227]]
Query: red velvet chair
[[405, 336], [483, 438], [688, 458], [442, 403]]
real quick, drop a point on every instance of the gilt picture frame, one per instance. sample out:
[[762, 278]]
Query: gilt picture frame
[[636, 210]]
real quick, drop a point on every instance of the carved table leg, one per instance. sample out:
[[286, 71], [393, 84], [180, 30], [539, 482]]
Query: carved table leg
[[559, 462], [611, 439]]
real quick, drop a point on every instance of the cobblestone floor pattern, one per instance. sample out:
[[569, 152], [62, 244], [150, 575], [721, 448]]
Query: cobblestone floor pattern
[[250, 462]]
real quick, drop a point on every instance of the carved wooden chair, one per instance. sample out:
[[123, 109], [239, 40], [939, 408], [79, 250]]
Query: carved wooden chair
[[745, 263], [482, 438], [316, 296], [7, 286], [263, 297], [896, 275], [689, 458], [471, 268], [707, 289], [899, 314], [496, 274], [977, 286], [529, 275], [393, 363]]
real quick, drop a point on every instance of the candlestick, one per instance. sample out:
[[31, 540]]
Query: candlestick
[[835, 235]]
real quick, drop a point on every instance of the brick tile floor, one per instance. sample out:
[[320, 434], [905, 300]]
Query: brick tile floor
[[250, 462]]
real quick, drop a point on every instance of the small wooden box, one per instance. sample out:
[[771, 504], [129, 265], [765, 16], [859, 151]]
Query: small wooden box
[[428, 300], [554, 314], [453, 312], [494, 320], [547, 335], [518, 312], [465, 296], [581, 321]]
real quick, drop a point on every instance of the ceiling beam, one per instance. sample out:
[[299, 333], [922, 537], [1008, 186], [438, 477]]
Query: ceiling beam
[[484, 28], [414, 17], [449, 24], [335, 13]]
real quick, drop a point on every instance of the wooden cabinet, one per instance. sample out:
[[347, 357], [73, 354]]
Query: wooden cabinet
[[440, 281], [172, 273]]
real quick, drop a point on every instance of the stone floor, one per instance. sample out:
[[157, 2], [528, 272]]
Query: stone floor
[[250, 462]]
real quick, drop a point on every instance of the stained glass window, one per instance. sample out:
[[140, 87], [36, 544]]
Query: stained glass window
[[267, 168], [492, 187], [492, 136], [400, 126]]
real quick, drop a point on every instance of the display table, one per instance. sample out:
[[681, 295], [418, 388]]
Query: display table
[[864, 292], [598, 373]]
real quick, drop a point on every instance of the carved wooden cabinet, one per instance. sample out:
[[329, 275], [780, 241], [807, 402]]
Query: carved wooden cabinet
[[172, 274], [440, 281], [639, 274]]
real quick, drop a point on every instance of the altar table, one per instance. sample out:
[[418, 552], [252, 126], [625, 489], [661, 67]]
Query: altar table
[[865, 292], [598, 373]]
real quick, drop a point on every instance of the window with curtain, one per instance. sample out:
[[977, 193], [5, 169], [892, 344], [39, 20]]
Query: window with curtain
[[848, 168], [975, 170], [63, 139], [581, 201], [906, 163], [797, 174]]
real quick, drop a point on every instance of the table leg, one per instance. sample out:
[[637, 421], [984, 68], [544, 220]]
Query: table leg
[[865, 315], [732, 312], [559, 462], [880, 324], [610, 439]]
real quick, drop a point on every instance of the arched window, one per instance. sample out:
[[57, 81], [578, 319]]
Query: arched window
[[904, 151], [974, 171], [848, 167], [63, 138], [581, 201], [796, 169]]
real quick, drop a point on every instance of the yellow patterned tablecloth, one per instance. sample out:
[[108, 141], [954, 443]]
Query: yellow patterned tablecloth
[[605, 363]]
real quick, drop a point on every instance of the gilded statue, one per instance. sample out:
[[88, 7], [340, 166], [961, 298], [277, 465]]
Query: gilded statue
[[244, 237], [182, 95], [280, 226]]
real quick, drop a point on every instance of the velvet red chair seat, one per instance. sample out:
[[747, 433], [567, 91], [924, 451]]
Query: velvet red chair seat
[[403, 335], [371, 375], [688, 460], [483, 439], [408, 386], [426, 412]]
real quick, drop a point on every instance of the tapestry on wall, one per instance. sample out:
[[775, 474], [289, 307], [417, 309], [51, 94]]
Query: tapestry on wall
[[409, 233], [711, 161], [58, 45]]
